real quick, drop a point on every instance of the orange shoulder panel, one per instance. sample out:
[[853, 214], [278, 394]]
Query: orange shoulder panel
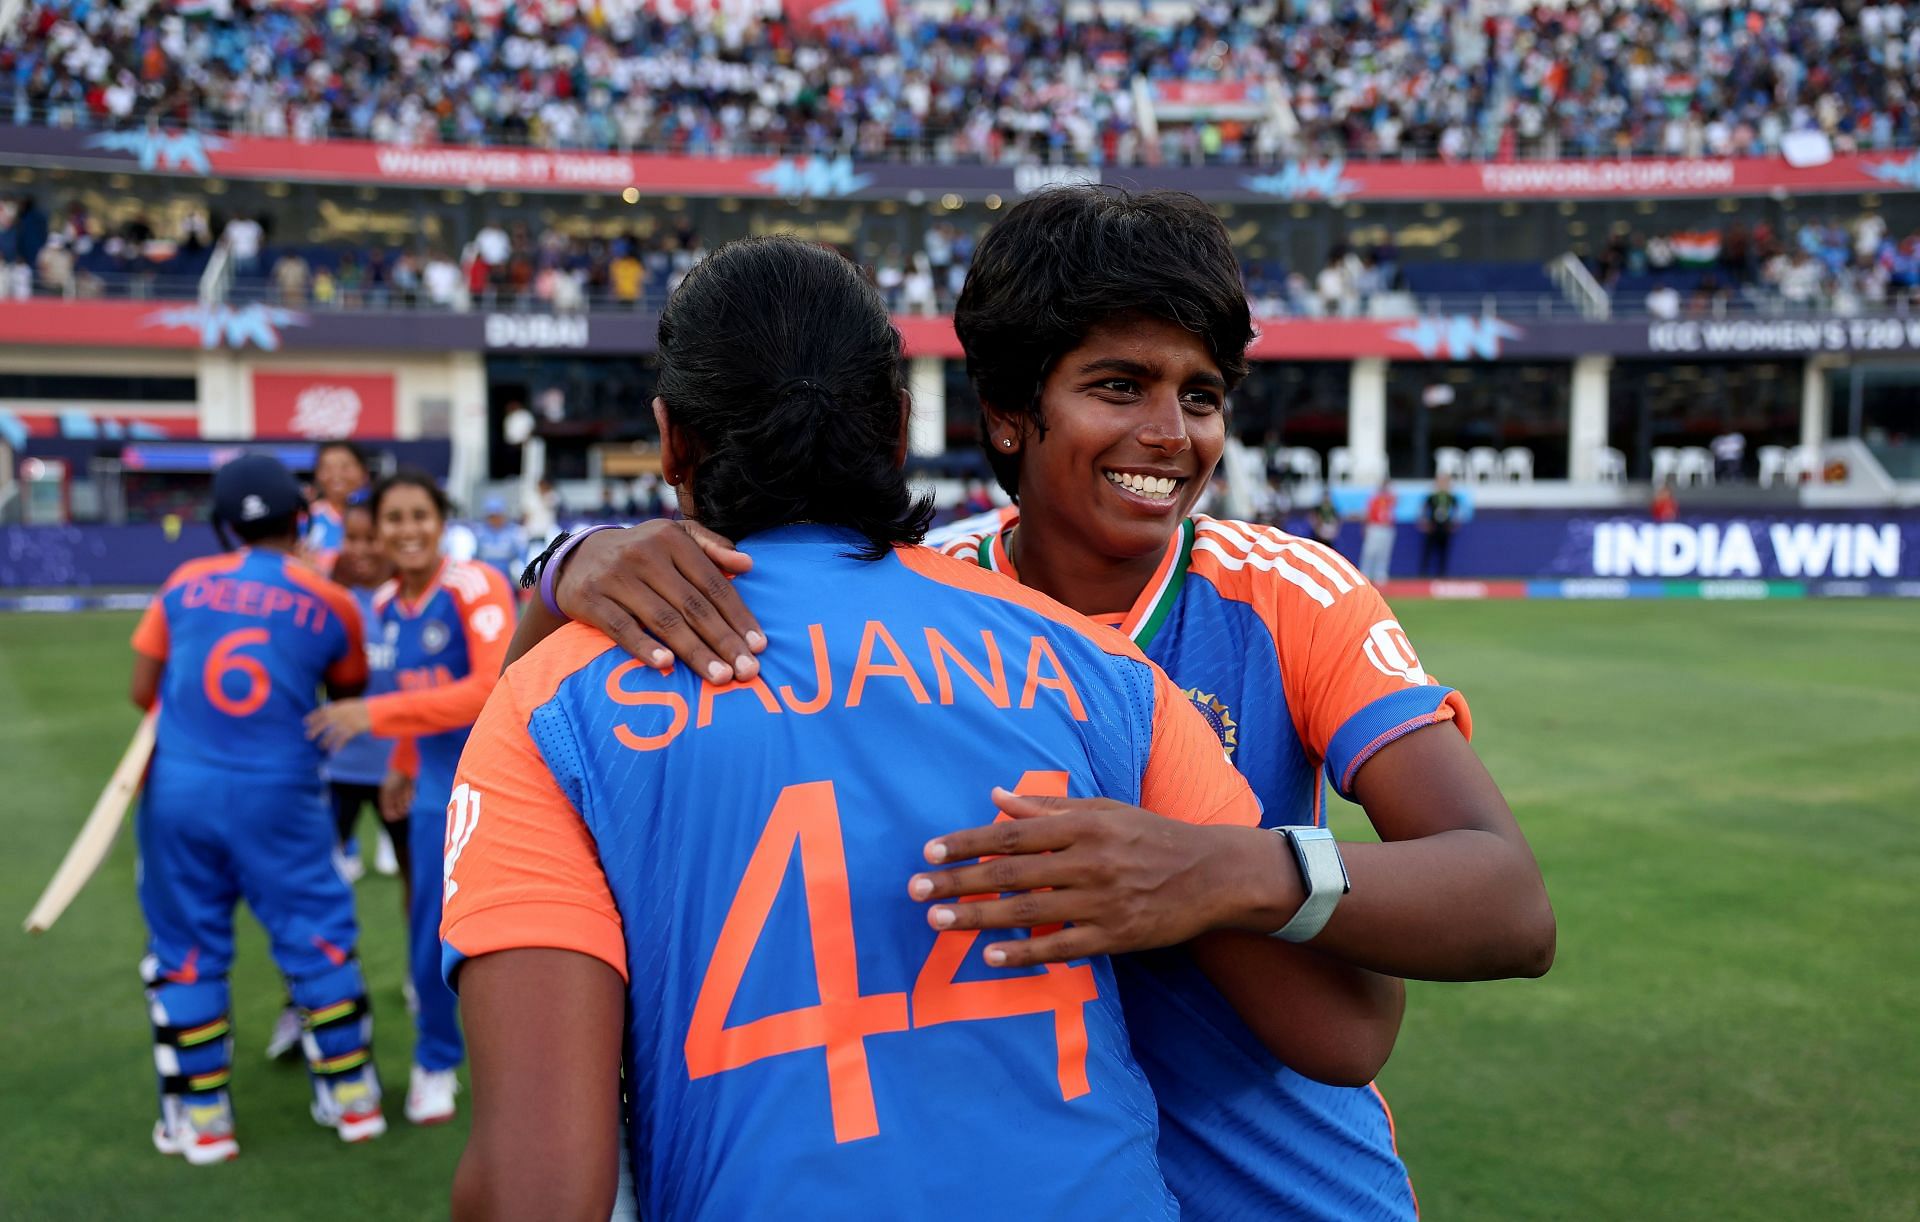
[[205, 566], [537, 676], [961, 575], [335, 595], [1249, 563]]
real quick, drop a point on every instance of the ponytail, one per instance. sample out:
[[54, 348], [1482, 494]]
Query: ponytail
[[780, 361]]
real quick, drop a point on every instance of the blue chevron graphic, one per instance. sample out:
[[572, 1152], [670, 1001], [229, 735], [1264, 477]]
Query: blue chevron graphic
[[156, 150], [1459, 337], [227, 327], [813, 177], [1301, 180]]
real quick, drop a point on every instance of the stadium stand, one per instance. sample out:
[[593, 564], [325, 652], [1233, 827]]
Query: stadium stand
[[990, 82]]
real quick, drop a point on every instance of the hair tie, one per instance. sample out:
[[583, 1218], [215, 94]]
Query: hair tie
[[793, 386]]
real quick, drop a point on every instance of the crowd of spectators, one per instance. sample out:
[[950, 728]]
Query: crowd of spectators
[[989, 79], [1834, 266], [504, 264], [69, 254]]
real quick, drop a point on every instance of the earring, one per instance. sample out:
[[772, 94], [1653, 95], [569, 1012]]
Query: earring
[[1007, 442]]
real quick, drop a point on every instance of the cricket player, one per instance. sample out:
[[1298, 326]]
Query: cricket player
[[444, 625], [708, 881], [236, 648]]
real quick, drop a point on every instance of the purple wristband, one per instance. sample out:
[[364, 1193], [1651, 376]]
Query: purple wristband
[[553, 567]]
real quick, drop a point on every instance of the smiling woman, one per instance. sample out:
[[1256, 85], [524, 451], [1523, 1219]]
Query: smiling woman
[[1103, 331], [443, 629]]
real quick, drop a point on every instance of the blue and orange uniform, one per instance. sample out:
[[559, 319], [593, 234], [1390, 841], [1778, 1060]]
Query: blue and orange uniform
[[326, 534], [1304, 673], [445, 649], [799, 1040], [234, 808], [355, 771]]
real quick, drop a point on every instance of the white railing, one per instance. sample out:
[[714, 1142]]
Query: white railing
[[217, 280], [1571, 277]]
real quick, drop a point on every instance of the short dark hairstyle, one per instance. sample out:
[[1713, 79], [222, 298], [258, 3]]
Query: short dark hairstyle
[[352, 449], [1069, 258], [410, 477], [280, 526], [779, 358]]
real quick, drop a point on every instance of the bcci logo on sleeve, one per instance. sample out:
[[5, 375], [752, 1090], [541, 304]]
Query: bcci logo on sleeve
[[1215, 711], [1391, 653]]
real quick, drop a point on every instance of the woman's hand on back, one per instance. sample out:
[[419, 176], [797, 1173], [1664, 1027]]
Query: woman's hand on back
[[664, 590]]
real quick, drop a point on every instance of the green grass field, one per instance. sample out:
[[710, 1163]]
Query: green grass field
[[1725, 798]]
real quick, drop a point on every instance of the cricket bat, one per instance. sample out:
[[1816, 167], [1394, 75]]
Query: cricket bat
[[95, 841]]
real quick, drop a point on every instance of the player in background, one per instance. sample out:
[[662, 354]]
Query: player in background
[[447, 624], [354, 772], [797, 1039], [235, 649], [500, 541], [1103, 331], [340, 469]]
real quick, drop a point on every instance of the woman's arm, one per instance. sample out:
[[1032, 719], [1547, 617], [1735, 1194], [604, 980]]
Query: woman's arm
[[1127, 879], [145, 687], [543, 1038], [662, 590], [1450, 846], [1134, 885], [1320, 1017]]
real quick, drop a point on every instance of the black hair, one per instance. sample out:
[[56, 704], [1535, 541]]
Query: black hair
[[267, 527], [410, 477], [352, 449], [280, 526], [779, 359], [1069, 258]]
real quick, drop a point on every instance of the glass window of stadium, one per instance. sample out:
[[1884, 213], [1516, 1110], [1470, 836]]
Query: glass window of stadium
[[1466, 406], [1879, 404], [1293, 404], [1689, 404], [578, 401]]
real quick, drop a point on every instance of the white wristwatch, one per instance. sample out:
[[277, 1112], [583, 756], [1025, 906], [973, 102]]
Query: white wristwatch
[[1325, 876]]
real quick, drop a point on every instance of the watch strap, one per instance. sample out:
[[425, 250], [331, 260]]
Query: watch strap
[[1324, 875]]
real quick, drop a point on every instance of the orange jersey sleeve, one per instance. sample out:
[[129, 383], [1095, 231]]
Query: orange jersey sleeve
[[1188, 776], [487, 611], [350, 668], [405, 759], [150, 635], [1352, 679], [521, 867]]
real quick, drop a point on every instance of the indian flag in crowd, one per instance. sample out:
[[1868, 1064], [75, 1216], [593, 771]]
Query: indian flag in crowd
[[1695, 249]]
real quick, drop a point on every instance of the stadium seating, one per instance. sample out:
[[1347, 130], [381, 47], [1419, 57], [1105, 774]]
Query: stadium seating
[[1346, 467], [1301, 463], [1450, 461], [1773, 464], [1483, 464], [1516, 464], [1693, 465], [976, 82]]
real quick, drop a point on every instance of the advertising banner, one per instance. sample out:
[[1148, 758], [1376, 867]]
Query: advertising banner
[[1460, 337], [209, 154], [1335, 180], [1498, 554], [322, 406], [1599, 555]]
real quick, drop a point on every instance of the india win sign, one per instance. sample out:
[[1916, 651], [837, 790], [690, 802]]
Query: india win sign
[[1736, 548]]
